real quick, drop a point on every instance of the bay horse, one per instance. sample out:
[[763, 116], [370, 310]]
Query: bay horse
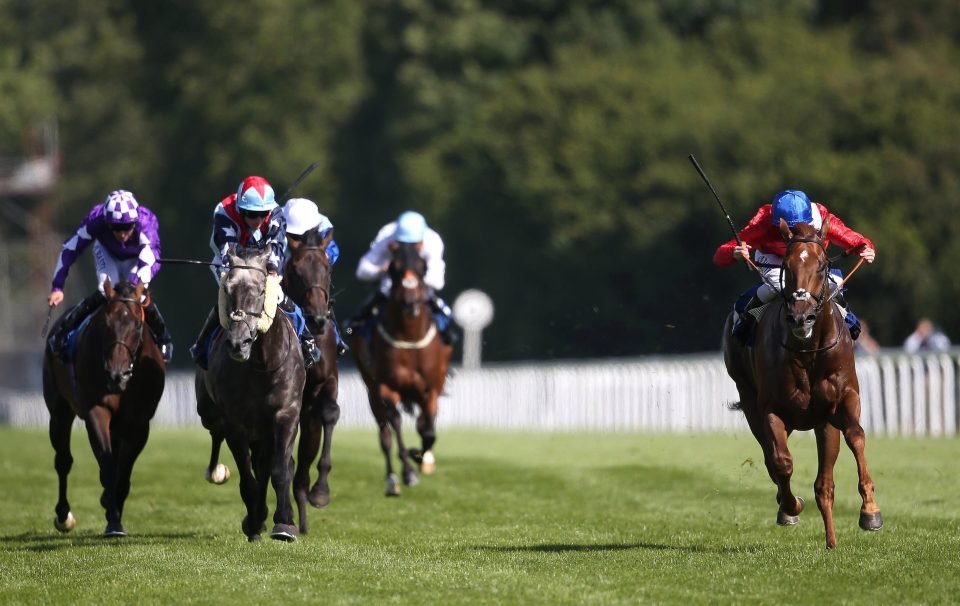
[[800, 374], [250, 392], [307, 275], [406, 363], [113, 384]]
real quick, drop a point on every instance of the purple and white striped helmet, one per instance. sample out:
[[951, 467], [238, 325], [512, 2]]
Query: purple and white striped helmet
[[120, 207]]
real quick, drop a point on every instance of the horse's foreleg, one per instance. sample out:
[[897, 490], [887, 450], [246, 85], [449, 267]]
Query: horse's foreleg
[[758, 428], [790, 505], [285, 432], [828, 447], [61, 422], [870, 517], [307, 449], [216, 472], [329, 415], [426, 427], [395, 419], [251, 525], [98, 433], [134, 440]]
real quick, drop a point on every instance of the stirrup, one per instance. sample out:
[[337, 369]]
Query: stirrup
[[311, 353]]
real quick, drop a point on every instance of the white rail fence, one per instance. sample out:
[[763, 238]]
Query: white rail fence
[[900, 394]]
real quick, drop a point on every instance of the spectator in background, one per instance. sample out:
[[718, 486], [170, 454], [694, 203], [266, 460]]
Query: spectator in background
[[866, 343], [926, 337]]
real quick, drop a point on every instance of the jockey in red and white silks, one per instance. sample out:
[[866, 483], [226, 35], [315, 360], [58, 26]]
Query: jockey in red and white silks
[[762, 234]]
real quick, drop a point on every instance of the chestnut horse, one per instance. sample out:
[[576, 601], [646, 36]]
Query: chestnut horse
[[405, 363], [307, 276], [114, 385], [250, 392], [800, 375]]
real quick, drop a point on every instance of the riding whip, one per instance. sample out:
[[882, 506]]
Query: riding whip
[[43, 331], [703, 175], [297, 182]]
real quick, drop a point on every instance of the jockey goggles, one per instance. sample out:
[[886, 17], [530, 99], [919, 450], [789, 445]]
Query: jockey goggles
[[122, 227], [256, 214]]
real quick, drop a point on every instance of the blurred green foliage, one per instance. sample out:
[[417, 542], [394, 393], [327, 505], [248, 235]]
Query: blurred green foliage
[[546, 140]]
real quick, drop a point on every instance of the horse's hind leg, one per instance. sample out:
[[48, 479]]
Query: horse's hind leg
[[870, 517], [61, 423], [216, 472], [790, 505]]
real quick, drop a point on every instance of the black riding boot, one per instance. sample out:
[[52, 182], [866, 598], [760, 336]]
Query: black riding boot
[[342, 347], [159, 329], [743, 325], [441, 310], [71, 320], [360, 319], [308, 345], [198, 351]]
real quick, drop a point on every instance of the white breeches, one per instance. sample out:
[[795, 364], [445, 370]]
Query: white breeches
[[766, 292], [109, 267]]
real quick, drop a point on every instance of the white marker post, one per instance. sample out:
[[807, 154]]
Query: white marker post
[[473, 311]]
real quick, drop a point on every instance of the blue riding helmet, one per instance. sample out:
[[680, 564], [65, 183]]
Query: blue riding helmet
[[793, 206], [411, 227], [255, 194]]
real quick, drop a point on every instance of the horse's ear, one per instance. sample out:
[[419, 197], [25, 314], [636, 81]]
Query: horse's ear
[[785, 230], [108, 288], [825, 228]]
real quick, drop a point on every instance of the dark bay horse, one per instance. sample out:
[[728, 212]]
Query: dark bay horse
[[307, 278], [114, 385], [405, 363], [250, 392], [800, 375]]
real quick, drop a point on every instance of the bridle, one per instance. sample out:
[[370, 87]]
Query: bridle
[[801, 294], [133, 351], [240, 315]]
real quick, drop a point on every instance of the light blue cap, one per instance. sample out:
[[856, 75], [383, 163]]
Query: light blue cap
[[793, 206], [411, 227]]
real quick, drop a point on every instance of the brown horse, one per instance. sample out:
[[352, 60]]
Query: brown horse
[[250, 393], [406, 363], [114, 384], [800, 375], [307, 276]]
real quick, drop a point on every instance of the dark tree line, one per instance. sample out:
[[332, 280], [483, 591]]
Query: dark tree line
[[545, 139]]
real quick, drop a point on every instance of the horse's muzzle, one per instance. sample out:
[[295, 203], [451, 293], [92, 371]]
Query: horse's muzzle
[[240, 350], [117, 380], [801, 324]]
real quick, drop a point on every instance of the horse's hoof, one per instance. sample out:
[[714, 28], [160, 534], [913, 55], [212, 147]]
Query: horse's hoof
[[284, 532], [429, 464], [114, 531], [871, 522], [253, 538], [319, 498], [219, 475], [411, 478], [67, 525], [393, 485], [250, 531], [785, 519]]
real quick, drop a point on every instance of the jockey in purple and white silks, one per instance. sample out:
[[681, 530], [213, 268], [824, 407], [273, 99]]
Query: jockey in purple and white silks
[[251, 218], [410, 227], [126, 246]]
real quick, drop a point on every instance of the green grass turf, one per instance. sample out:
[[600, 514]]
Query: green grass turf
[[508, 519]]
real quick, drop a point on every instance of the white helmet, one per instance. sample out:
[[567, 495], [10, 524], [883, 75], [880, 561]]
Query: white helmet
[[302, 216]]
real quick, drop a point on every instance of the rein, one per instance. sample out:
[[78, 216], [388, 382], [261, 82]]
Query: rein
[[821, 299]]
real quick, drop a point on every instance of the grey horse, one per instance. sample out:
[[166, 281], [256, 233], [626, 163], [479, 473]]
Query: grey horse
[[250, 394]]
